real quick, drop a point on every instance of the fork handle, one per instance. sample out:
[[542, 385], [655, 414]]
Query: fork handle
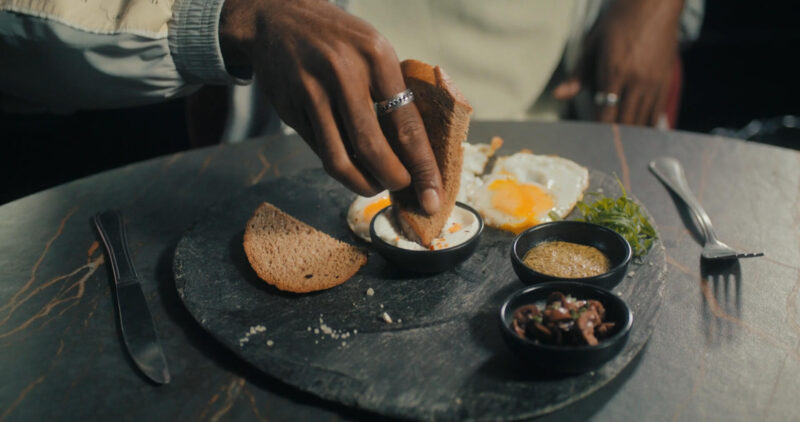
[[670, 172]]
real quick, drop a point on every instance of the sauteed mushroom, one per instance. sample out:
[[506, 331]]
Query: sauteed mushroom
[[563, 320]]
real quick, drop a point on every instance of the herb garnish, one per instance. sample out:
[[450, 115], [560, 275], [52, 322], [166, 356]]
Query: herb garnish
[[624, 216]]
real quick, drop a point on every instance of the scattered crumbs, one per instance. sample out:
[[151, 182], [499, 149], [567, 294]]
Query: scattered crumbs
[[381, 305], [370, 292], [630, 274], [355, 331], [326, 330], [344, 343], [650, 263], [619, 293], [591, 374], [386, 318], [308, 328], [399, 321], [251, 332], [270, 343], [458, 400]]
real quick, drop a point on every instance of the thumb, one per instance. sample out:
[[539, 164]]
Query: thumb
[[567, 89]]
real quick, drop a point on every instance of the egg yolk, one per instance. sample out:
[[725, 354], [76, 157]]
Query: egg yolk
[[373, 207], [524, 202]]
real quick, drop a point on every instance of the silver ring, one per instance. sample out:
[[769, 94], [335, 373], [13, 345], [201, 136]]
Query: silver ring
[[605, 99], [392, 104]]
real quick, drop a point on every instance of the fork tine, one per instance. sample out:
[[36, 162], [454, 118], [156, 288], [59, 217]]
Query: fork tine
[[750, 255]]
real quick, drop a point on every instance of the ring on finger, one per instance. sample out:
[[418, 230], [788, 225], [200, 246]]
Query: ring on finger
[[399, 100], [606, 99]]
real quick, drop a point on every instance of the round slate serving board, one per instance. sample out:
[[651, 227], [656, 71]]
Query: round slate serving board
[[441, 359]]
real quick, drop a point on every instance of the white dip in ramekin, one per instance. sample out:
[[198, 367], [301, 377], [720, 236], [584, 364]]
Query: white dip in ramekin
[[460, 227]]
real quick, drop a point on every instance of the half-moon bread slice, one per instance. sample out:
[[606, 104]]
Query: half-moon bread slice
[[293, 256]]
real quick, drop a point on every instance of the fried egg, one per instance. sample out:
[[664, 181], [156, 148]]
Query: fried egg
[[363, 209], [476, 156], [523, 189]]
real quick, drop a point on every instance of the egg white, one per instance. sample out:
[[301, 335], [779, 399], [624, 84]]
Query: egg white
[[477, 155], [357, 218], [564, 179], [557, 184], [561, 180]]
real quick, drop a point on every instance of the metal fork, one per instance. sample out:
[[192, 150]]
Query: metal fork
[[670, 172]]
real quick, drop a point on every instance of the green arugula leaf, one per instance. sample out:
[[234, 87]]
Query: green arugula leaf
[[624, 216]]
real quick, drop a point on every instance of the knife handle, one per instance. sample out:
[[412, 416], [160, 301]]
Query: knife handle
[[112, 231]]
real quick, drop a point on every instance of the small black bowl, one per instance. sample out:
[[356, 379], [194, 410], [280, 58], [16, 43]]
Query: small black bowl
[[426, 261], [609, 242], [563, 360]]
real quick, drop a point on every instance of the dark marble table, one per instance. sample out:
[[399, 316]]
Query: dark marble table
[[727, 346]]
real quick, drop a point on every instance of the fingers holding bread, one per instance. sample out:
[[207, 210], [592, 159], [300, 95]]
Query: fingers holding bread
[[331, 148], [445, 116], [405, 130], [368, 145]]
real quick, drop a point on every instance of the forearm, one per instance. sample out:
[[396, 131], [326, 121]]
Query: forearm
[[61, 56], [685, 16], [654, 15]]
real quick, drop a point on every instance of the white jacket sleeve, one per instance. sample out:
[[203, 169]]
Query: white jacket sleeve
[[67, 55]]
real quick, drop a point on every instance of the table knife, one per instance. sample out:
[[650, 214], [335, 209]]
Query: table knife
[[135, 320]]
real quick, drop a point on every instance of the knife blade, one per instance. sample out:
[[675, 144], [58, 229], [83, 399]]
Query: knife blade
[[136, 322]]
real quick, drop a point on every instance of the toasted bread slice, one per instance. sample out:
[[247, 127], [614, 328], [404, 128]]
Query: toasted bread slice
[[293, 256], [445, 113]]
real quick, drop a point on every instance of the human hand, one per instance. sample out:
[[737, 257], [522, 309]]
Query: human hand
[[630, 52], [323, 69]]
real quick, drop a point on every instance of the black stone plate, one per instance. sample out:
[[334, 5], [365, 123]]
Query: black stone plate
[[443, 358]]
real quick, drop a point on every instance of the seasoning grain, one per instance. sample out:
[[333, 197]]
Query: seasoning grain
[[567, 260]]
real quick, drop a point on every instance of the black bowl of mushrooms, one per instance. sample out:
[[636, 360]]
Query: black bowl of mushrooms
[[565, 327]]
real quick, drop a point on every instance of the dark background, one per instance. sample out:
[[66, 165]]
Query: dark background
[[742, 67]]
